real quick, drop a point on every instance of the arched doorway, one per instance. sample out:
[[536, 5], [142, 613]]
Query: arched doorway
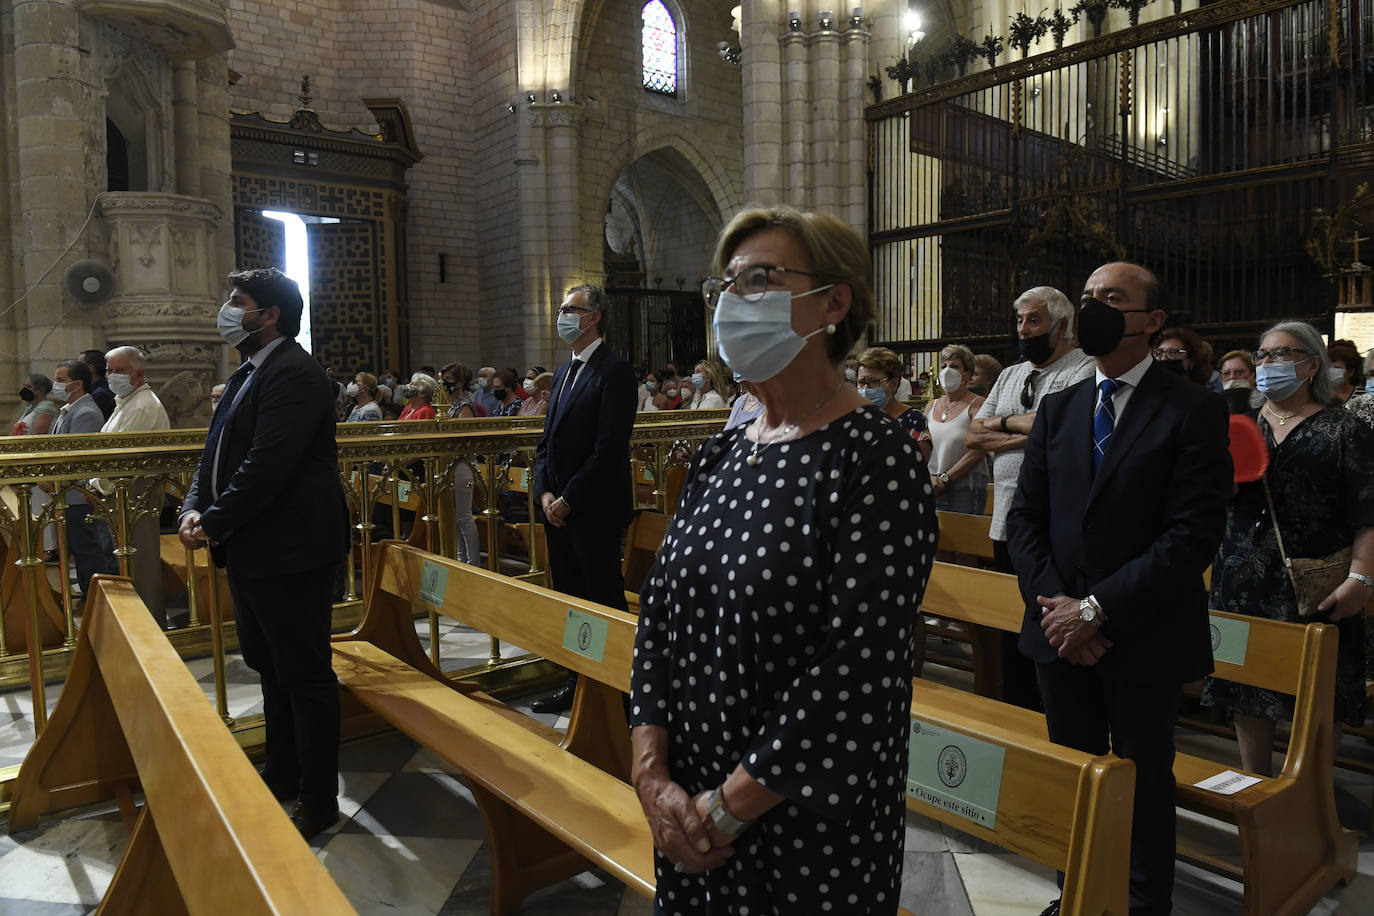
[[349, 188], [658, 234]]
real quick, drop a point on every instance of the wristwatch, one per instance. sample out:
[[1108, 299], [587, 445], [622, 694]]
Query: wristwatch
[[722, 819], [944, 476], [1090, 613], [1366, 581]]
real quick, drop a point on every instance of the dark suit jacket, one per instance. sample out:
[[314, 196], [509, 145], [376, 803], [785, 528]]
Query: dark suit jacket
[[1138, 535], [584, 455], [281, 505]]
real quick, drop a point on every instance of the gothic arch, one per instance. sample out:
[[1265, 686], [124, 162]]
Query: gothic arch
[[711, 184]]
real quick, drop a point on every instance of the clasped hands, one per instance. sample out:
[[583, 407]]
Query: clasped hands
[[1078, 641], [555, 510], [681, 829], [191, 534]]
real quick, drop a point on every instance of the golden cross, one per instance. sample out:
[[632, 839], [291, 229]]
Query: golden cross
[[1355, 239]]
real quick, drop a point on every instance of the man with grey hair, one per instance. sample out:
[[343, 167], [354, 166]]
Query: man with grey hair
[[137, 409], [1051, 362], [483, 395]]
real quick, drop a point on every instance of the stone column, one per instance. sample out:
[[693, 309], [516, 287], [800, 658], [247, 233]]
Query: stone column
[[764, 180], [51, 102], [794, 92], [536, 245], [160, 245], [186, 127], [827, 172], [854, 76], [216, 162]]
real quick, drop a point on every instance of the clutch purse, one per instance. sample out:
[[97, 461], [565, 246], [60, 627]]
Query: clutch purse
[[1313, 578]]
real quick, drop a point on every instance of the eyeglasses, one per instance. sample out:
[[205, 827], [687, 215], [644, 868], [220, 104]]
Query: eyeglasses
[[571, 309], [1028, 390], [1170, 353], [874, 382], [1282, 354], [750, 283]]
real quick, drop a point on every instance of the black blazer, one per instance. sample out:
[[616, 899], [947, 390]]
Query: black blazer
[[584, 455], [281, 505], [1139, 534]]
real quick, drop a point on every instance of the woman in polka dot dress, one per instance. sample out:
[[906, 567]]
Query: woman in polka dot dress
[[773, 663]]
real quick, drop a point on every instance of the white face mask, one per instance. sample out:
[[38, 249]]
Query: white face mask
[[351, 389], [850, 373], [59, 390], [120, 383], [230, 324], [1235, 383], [756, 338], [528, 385], [951, 379]]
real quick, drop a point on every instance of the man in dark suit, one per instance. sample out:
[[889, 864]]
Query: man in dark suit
[[582, 464], [1120, 506], [268, 501]]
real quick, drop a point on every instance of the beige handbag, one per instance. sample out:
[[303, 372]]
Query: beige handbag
[[1313, 578]]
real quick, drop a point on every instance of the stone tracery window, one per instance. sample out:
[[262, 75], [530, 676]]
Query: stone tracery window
[[659, 44]]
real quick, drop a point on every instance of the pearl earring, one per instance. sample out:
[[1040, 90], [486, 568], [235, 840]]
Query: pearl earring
[[830, 329]]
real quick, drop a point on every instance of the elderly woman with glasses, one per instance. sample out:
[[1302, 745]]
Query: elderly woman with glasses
[[772, 672], [880, 371], [1321, 481]]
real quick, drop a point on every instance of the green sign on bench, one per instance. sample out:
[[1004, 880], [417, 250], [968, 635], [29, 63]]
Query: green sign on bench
[[585, 635], [961, 774], [433, 582], [1230, 638]]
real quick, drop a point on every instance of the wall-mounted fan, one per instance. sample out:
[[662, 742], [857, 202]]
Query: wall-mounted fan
[[90, 283]]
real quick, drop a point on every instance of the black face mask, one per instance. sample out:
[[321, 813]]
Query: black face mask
[[450, 387], [1037, 349], [1101, 328], [27, 394], [1175, 367]]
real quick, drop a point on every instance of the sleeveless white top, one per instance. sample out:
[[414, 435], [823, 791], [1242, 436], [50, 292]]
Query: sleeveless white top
[[947, 438]]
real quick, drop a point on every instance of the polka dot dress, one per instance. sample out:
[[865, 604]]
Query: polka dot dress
[[776, 630]]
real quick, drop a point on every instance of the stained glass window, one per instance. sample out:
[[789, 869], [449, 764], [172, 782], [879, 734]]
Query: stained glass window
[[660, 48]]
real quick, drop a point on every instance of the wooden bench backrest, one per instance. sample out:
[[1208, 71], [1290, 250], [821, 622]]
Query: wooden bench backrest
[[966, 534], [1064, 808], [979, 596], [227, 840], [642, 542], [516, 612]]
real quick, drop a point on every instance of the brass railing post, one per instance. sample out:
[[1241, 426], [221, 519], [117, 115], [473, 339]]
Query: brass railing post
[[124, 548], [431, 522], [217, 639], [31, 561], [493, 516], [350, 576], [64, 570]]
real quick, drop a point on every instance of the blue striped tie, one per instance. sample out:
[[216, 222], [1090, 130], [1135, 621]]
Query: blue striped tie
[[1104, 419]]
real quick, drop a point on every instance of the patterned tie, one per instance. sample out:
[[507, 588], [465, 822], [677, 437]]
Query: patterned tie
[[569, 381], [1104, 419]]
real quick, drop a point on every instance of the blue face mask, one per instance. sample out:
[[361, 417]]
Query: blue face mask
[[877, 395], [651, 387], [756, 338], [698, 381], [1277, 381], [570, 327]]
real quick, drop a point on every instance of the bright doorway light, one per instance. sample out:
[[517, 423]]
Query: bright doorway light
[[297, 265]]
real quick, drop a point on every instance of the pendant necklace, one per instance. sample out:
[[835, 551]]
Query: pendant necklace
[[787, 431], [944, 414], [1283, 420]]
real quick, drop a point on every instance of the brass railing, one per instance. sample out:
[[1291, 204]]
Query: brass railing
[[387, 468]]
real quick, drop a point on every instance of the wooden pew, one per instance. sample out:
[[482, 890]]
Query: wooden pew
[[1293, 847], [1061, 807], [555, 805], [642, 541], [210, 837], [967, 534], [174, 577], [14, 590]]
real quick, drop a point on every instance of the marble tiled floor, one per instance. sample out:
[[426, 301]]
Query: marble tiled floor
[[411, 842]]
